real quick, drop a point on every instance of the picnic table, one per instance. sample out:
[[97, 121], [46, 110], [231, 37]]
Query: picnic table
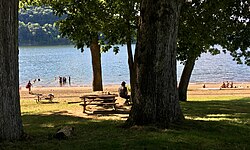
[[99, 100], [40, 97]]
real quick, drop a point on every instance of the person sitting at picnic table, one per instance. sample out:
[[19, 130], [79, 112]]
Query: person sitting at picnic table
[[123, 92]]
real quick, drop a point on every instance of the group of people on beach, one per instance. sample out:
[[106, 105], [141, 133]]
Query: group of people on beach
[[227, 84], [63, 80], [123, 91]]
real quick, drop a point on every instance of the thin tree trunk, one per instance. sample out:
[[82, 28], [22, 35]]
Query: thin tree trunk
[[156, 96], [96, 65], [10, 115], [130, 61], [185, 78]]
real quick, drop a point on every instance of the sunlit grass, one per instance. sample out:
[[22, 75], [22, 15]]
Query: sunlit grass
[[213, 97], [210, 124], [31, 107]]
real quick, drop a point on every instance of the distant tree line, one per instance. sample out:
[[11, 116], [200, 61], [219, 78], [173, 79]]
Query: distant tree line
[[37, 27]]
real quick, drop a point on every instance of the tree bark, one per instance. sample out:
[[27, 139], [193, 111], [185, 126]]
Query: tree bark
[[96, 65], [130, 61], [156, 97], [185, 78], [10, 115]]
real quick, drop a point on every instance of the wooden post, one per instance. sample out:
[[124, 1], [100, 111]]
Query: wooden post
[[84, 106]]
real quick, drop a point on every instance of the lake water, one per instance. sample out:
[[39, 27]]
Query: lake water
[[49, 62]]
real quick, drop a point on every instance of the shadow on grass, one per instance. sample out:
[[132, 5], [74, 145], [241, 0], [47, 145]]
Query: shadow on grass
[[230, 131], [232, 109]]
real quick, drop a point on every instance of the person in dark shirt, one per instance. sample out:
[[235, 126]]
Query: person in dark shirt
[[28, 86], [223, 85], [123, 92]]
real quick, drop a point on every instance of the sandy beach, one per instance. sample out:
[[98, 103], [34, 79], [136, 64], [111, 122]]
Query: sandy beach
[[71, 94], [67, 100], [242, 89], [65, 91]]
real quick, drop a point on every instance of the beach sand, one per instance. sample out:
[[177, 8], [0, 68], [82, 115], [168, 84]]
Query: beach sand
[[243, 88], [72, 94], [65, 91]]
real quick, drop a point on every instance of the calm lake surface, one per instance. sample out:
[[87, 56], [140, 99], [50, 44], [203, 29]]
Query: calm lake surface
[[49, 62]]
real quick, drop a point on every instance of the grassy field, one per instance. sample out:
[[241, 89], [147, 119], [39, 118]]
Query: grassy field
[[222, 123]]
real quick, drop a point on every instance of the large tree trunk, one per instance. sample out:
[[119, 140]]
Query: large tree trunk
[[156, 97], [10, 115], [185, 77], [96, 65]]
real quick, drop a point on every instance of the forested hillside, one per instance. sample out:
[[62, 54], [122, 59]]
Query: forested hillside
[[37, 27]]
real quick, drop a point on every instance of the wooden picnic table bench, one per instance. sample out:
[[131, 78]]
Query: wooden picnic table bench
[[40, 97], [99, 100]]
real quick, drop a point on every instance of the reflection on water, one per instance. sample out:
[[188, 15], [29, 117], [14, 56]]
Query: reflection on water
[[49, 62]]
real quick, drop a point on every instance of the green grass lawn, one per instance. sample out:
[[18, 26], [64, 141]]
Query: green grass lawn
[[209, 124]]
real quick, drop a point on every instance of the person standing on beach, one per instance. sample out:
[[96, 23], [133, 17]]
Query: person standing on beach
[[69, 81], [28, 86], [64, 80], [60, 80]]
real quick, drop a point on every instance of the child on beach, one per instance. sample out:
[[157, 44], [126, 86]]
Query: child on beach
[[28, 86]]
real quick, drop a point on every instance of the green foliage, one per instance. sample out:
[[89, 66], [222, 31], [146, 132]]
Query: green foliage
[[111, 21], [123, 21], [204, 24], [84, 20], [36, 27], [239, 38], [40, 15]]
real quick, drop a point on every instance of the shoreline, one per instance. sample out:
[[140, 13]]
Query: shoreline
[[191, 84], [76, 91]]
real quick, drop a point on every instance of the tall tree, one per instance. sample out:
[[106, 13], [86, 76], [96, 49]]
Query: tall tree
[[10, 115], [156, 98], [207, 23], [115, 20], [83, 25], [122, 29]]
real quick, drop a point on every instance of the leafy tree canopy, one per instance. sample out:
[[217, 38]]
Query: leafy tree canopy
[[36, 27], [214, 22], [84, 22], [110, 20]]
